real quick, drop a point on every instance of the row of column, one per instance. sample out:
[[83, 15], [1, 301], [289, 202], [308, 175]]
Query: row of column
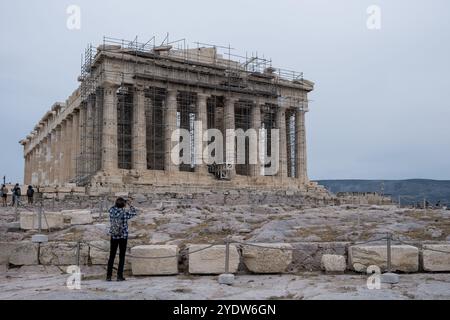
[[139, 162], [53, 161]]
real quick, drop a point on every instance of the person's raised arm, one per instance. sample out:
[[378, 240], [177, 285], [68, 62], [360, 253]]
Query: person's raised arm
[[131, 212]]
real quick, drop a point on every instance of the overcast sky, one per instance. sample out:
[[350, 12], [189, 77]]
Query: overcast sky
[[381, 105]]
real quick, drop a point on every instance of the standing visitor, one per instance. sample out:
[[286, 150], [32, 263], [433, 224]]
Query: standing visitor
[[118, 217], [30, 194], [4, 194], [16, 194]]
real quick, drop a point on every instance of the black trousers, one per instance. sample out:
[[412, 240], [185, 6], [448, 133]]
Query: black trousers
[[122, 244]]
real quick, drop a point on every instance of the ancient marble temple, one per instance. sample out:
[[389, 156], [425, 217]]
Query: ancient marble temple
[[115, 130]]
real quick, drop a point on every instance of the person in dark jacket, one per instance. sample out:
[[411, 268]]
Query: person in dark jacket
[[16, 194], [118, 217], [30, 194], [4, 193]]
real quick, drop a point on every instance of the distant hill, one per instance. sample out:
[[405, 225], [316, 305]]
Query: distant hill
[[413, 190]]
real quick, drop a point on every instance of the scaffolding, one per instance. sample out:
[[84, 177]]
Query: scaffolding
[[219, 67]]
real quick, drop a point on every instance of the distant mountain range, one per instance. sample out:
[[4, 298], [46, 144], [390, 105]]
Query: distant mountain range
[[411, 191]]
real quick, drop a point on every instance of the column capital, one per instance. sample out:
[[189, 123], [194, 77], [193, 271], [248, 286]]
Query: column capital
[[110, 88], [259, 101], [203, 95], [281, 110], [109, 84], [138, 88], [231, 99], [172, 94]]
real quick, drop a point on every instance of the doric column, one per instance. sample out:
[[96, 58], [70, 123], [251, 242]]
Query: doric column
[[62, 158], [26, 179], [281, 125], [52, 157], [139, 149], [170, 125], [202, 116], [48, 154], [34, 167], [98, 120], [62, 152], [39, 163], [30, 166], [81, 155], [57, 162], [25, 171], [74, 143], [229, 118], [69, 149], [90, 120], [255, 169], [45, 164], [301, 145], [109, 132], [28, 176]]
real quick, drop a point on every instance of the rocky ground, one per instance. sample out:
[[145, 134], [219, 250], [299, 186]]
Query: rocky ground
[[174, 223], [50, 283]]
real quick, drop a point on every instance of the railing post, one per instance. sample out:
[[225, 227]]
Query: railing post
[[40, 218], [227, 255], [388, 242], [227, 278], [39, 254], [16, 209], [78, 253]]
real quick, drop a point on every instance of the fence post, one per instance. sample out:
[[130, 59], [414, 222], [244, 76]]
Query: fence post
[[389, 277], [227, 278], [39, 254], [40, 218], [16, 209], [227, 255], [389, 261], [78, 253]]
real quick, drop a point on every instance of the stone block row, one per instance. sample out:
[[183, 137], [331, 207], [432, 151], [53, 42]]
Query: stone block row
[[404, 258], [203, 259], [54, 220]]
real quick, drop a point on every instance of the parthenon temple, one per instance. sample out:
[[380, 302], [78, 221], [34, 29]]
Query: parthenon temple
[[115, 130]]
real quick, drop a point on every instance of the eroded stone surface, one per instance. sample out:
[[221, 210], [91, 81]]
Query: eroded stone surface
[[77, 217], [334, 263], [267, 260], [63, 254], [24, 254], [30, 220], [211, 260], [438, 260], [145, 261], [405, 258]]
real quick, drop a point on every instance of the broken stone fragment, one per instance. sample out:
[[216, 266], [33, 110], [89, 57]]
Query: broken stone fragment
[[334, 263]]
